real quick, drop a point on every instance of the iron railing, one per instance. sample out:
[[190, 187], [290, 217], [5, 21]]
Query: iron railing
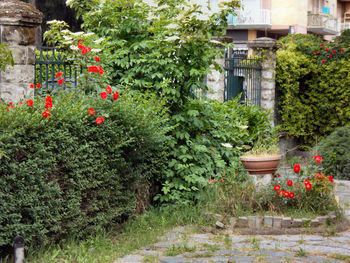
[[322, 20], [251, 16]]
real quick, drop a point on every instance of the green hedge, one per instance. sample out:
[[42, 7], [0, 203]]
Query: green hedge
[[67, 175], [313, 88], [335, 152]]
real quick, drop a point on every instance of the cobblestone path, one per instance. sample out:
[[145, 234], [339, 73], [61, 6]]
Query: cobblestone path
[[183, 244]]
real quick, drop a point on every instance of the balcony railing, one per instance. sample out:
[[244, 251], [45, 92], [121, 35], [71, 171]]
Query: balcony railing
[[251, 17], [344, 26], [322, 21]]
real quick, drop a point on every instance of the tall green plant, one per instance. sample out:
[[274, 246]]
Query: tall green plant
[[6, 58]]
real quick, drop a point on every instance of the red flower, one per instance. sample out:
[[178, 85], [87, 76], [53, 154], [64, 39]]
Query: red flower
[[318, 158], [280, 192], [330, 178], [211, 181], [30, 102], [60, 81], [115, 95], [308, 186], [59, 74], [296, 168], [291, 195], [46, 114], [222, 181], [108, 89], [323, 61], [316, 52], [100, 70], [330, 55], [85, 50], [326, 49], [21, 103], [48, 102], [91, 111], [99, 120], [80, 45], [10, 103], [277, 187], [97, 59], [322, 45], [342, 50], [290, 183], [319, 176], [284, 46], [92, 69], [31, 86], [277, 175], [334, 51], [306, 182], [103, 95], [38, 85], [286, 194]]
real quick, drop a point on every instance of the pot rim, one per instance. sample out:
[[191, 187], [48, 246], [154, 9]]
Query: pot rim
[[260, 158]]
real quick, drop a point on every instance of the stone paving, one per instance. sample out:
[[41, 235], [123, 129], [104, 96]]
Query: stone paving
[[184, 244]]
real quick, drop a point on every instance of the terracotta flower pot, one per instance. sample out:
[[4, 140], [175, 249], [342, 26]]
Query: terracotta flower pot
[[260, 164]]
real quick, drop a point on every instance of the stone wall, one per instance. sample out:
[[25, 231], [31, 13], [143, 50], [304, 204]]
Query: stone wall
[[216, 82], [18, 22]]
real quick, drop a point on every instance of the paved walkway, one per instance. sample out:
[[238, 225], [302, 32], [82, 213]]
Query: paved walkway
[[182, 244]]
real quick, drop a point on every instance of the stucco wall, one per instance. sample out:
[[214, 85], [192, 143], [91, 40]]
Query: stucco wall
[[289, 12]]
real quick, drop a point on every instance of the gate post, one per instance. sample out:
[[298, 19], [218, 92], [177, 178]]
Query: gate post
[[265, 47], [18, 23]]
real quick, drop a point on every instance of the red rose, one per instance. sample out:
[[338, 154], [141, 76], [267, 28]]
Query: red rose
[[59, 74], [211, 181], [277, 175], [277, 187], [342, 50], [334, 51], [319, 176], [92, 69], [308, 186], [306, 182], [290, 183], [91, 111], [46, 114], [48, 99], [296, 168], [316, 52], [330, 55], [97, 59], [108, 89], [115, 95], [60, 81], [330, 178], [280, 192], [323, 61], [48, 102], [85, 50], [103, 95], [318, 158], [99, 120], [286, 194], [100, 70], [31, 86], [291, 195], [30, 102], [38, 85], [222, 181], [326, 49], [80, 45], [322, 45]]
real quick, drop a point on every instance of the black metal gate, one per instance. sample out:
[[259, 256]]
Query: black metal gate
[[242, 76]]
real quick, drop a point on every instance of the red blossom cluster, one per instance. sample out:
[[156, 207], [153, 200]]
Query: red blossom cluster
[[284, 193], [59, 75], [84, 49]]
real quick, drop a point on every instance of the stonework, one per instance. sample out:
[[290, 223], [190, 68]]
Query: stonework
[[216, 82], [18, 22]]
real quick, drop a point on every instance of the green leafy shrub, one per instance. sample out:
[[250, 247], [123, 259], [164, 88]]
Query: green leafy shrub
[[313, 87], [6, 58], [66, 175], [335, 152]]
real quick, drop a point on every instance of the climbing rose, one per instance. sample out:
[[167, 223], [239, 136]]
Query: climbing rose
[[48, 102], [334, 51], [30, 102], [296, 168], [59, 74], [323, 61], [60, 81], [100, 70], [342, 50], [308, 186], [306, 182], [330, 178], [97, 59], [115, 95], [316, 52], [91, 111], [46, 114], [38, 85], [291, 195], [277, 187], [31, 86], [211, 181], [286, 194], [322, 45], [280, 192], [326, 49], [80, 45], [318, 158], [99, 120], [103, 95], [108, 89], [277, 175], [330, 55], [290, 183]]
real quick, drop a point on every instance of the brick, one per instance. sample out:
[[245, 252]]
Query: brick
[[268, 221], [242, 221]]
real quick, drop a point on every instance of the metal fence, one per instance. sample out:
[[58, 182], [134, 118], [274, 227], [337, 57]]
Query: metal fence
[[242, 77], [49, 61]]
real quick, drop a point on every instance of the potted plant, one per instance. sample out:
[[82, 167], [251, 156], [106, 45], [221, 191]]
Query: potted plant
[[263, 158]]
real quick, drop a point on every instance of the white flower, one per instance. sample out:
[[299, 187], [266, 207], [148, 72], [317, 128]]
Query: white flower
[[69, 1], [98, 41], [173, 38], [215, 42], [78, 33], [67, 38], [227, 145], [89, 34], [243, 127], [172, 26], [54, 22], [96, 50], [73, 47]]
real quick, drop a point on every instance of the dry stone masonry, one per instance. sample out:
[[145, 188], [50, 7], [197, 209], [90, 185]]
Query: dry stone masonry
[[18, 23]]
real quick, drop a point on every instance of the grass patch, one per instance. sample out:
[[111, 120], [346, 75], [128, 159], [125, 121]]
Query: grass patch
[[340, 257], [177, 250], [106, 247], [301, 253], [211, 247]]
